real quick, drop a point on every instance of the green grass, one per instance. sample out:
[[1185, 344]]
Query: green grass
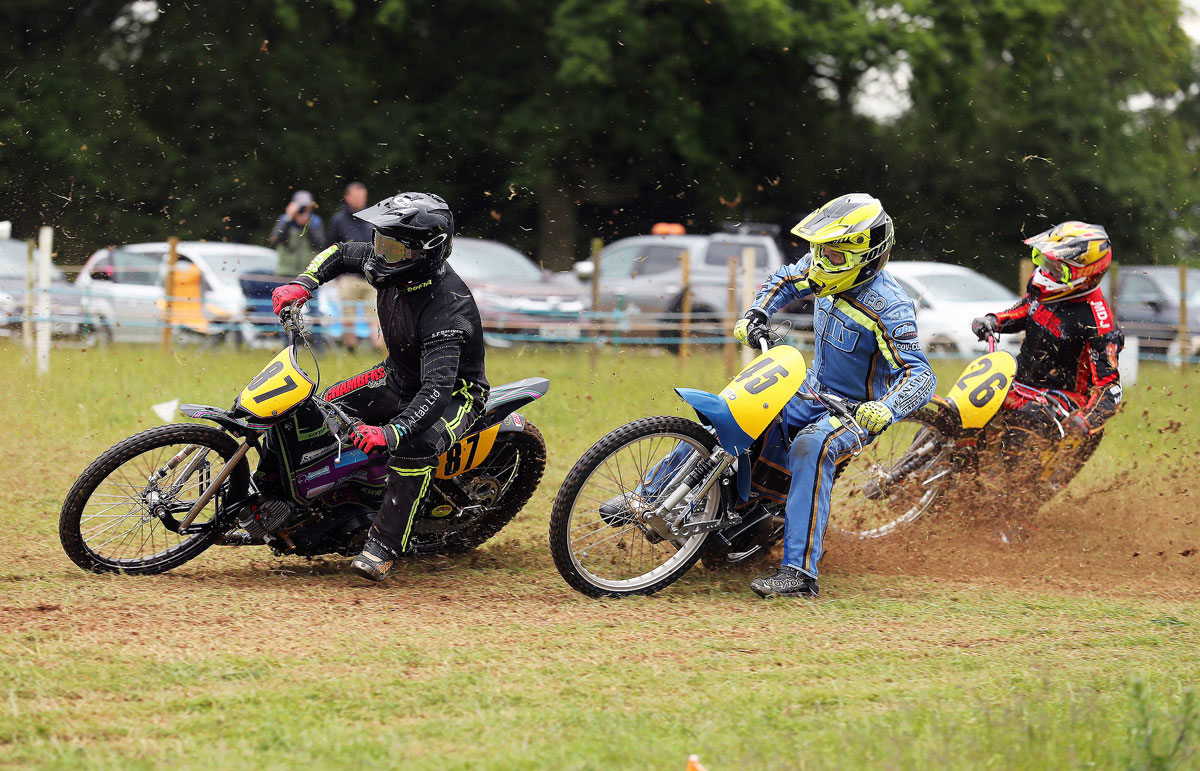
[[239, 658]]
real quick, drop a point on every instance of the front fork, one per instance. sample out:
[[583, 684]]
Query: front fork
[[699, 474]]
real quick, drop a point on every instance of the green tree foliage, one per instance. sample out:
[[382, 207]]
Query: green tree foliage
[[548, 121]]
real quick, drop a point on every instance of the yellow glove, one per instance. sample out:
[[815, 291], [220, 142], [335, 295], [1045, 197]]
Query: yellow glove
[[750, 330], [873, 416]]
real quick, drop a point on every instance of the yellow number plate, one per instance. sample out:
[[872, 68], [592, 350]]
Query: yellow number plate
[[280, 386], [467, 454], [980, 391], [762, 389]]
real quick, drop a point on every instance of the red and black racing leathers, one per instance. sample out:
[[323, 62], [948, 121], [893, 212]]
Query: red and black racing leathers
[[428, 391], [1070, 347]]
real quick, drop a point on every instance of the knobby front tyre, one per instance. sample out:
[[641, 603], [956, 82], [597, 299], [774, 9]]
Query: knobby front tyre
[[116, 520], [598, 546]]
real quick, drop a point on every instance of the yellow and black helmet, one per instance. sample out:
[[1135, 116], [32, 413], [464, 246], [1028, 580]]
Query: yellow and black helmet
[[851, 237]]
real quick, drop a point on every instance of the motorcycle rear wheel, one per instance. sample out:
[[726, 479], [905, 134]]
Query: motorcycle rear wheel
[[614, 555], [508, 477], [867, 503], [114, 520]]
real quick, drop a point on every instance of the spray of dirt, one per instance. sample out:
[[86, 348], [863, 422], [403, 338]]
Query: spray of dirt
[[1125, 536]]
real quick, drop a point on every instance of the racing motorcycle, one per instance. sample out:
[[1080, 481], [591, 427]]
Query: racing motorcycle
[[964, 436], [161, 497], [648, 500]]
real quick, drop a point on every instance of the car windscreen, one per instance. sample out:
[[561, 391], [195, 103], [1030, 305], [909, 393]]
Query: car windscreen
[[965, 287], [721, 252], [489, 261], [1169, 281], [13, 256], [230, 265]]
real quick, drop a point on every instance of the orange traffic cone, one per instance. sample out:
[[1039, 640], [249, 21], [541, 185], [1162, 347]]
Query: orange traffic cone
[[694, 764]]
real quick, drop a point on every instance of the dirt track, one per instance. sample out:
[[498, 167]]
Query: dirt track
[[1123, 538]]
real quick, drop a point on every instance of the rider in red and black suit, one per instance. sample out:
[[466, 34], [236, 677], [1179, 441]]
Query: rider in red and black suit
[[1072, 340]]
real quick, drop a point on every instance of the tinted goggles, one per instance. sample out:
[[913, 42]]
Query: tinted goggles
[[829, 257], [394, 252]]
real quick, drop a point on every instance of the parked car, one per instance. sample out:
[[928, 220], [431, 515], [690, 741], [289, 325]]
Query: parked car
[[948, 297], [68, 318], [644, 275], [1147, 305], [515, 295], [122, 287]]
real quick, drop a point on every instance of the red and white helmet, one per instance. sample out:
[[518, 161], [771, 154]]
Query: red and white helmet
[[1069, 259]]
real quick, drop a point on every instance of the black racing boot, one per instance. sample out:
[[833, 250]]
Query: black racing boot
[[785, 581], [375, 561], [615, 511]]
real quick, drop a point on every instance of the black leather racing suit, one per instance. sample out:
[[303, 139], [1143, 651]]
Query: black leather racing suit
[[429, 389], [1070, 347]]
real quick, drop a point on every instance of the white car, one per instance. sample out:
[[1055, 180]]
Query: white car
[[948, 297], [122, 287]]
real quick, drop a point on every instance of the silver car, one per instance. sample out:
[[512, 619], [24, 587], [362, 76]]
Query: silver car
[[122, 287], [66, 314]]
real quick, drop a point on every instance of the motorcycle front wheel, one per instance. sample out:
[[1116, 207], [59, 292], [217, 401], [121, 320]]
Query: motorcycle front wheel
[[123, 514], [894, 480], [599, 546]]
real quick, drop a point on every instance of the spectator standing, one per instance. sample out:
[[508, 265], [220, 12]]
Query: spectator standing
[[353, 288], [298, 235]]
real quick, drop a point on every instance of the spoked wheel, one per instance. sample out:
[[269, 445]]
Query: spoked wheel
[[467, 510], [894, 480], [124, 513], [600, 546]]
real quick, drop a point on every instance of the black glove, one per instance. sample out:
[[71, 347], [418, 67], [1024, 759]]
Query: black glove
[[984, 326], [752, 329]]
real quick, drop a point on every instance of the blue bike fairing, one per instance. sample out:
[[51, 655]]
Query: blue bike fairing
[[714, 411]]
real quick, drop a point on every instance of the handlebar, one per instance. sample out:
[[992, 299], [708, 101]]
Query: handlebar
[[991, 341]]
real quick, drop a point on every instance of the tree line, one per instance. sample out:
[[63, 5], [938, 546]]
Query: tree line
[[548, 122]]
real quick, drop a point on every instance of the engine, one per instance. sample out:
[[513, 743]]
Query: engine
[[264, 519]]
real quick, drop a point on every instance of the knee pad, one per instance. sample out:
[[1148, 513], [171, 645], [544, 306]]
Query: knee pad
[[807, 443]]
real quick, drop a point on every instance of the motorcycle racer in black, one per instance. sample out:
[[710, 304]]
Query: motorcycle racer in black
[[431, 387], [1072, 341]]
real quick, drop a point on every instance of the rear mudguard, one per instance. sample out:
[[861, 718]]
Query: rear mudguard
[[505, 400]]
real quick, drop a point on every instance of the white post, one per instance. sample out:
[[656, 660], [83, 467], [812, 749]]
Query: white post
[[748, 290], [27, 311], [45, 239]]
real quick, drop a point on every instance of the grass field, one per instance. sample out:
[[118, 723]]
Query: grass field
[[1070, 642]]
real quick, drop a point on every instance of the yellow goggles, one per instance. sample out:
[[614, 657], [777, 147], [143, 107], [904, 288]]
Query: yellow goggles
[[1057, 270]]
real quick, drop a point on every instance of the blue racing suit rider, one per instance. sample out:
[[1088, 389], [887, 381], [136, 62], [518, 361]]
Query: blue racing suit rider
[[866, 351]]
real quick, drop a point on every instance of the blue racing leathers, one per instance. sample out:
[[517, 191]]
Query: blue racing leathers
[[866, 349]]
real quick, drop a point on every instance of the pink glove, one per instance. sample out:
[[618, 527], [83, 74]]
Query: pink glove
[[367, 438], [287, 294]]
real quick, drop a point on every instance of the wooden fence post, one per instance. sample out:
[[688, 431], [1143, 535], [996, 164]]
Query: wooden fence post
[[748, 289], [685, 305], [1025, 275], [734, 312], [169, 291], [1185, 340]]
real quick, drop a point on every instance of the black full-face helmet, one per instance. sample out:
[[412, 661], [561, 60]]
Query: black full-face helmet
[[414, 233]]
